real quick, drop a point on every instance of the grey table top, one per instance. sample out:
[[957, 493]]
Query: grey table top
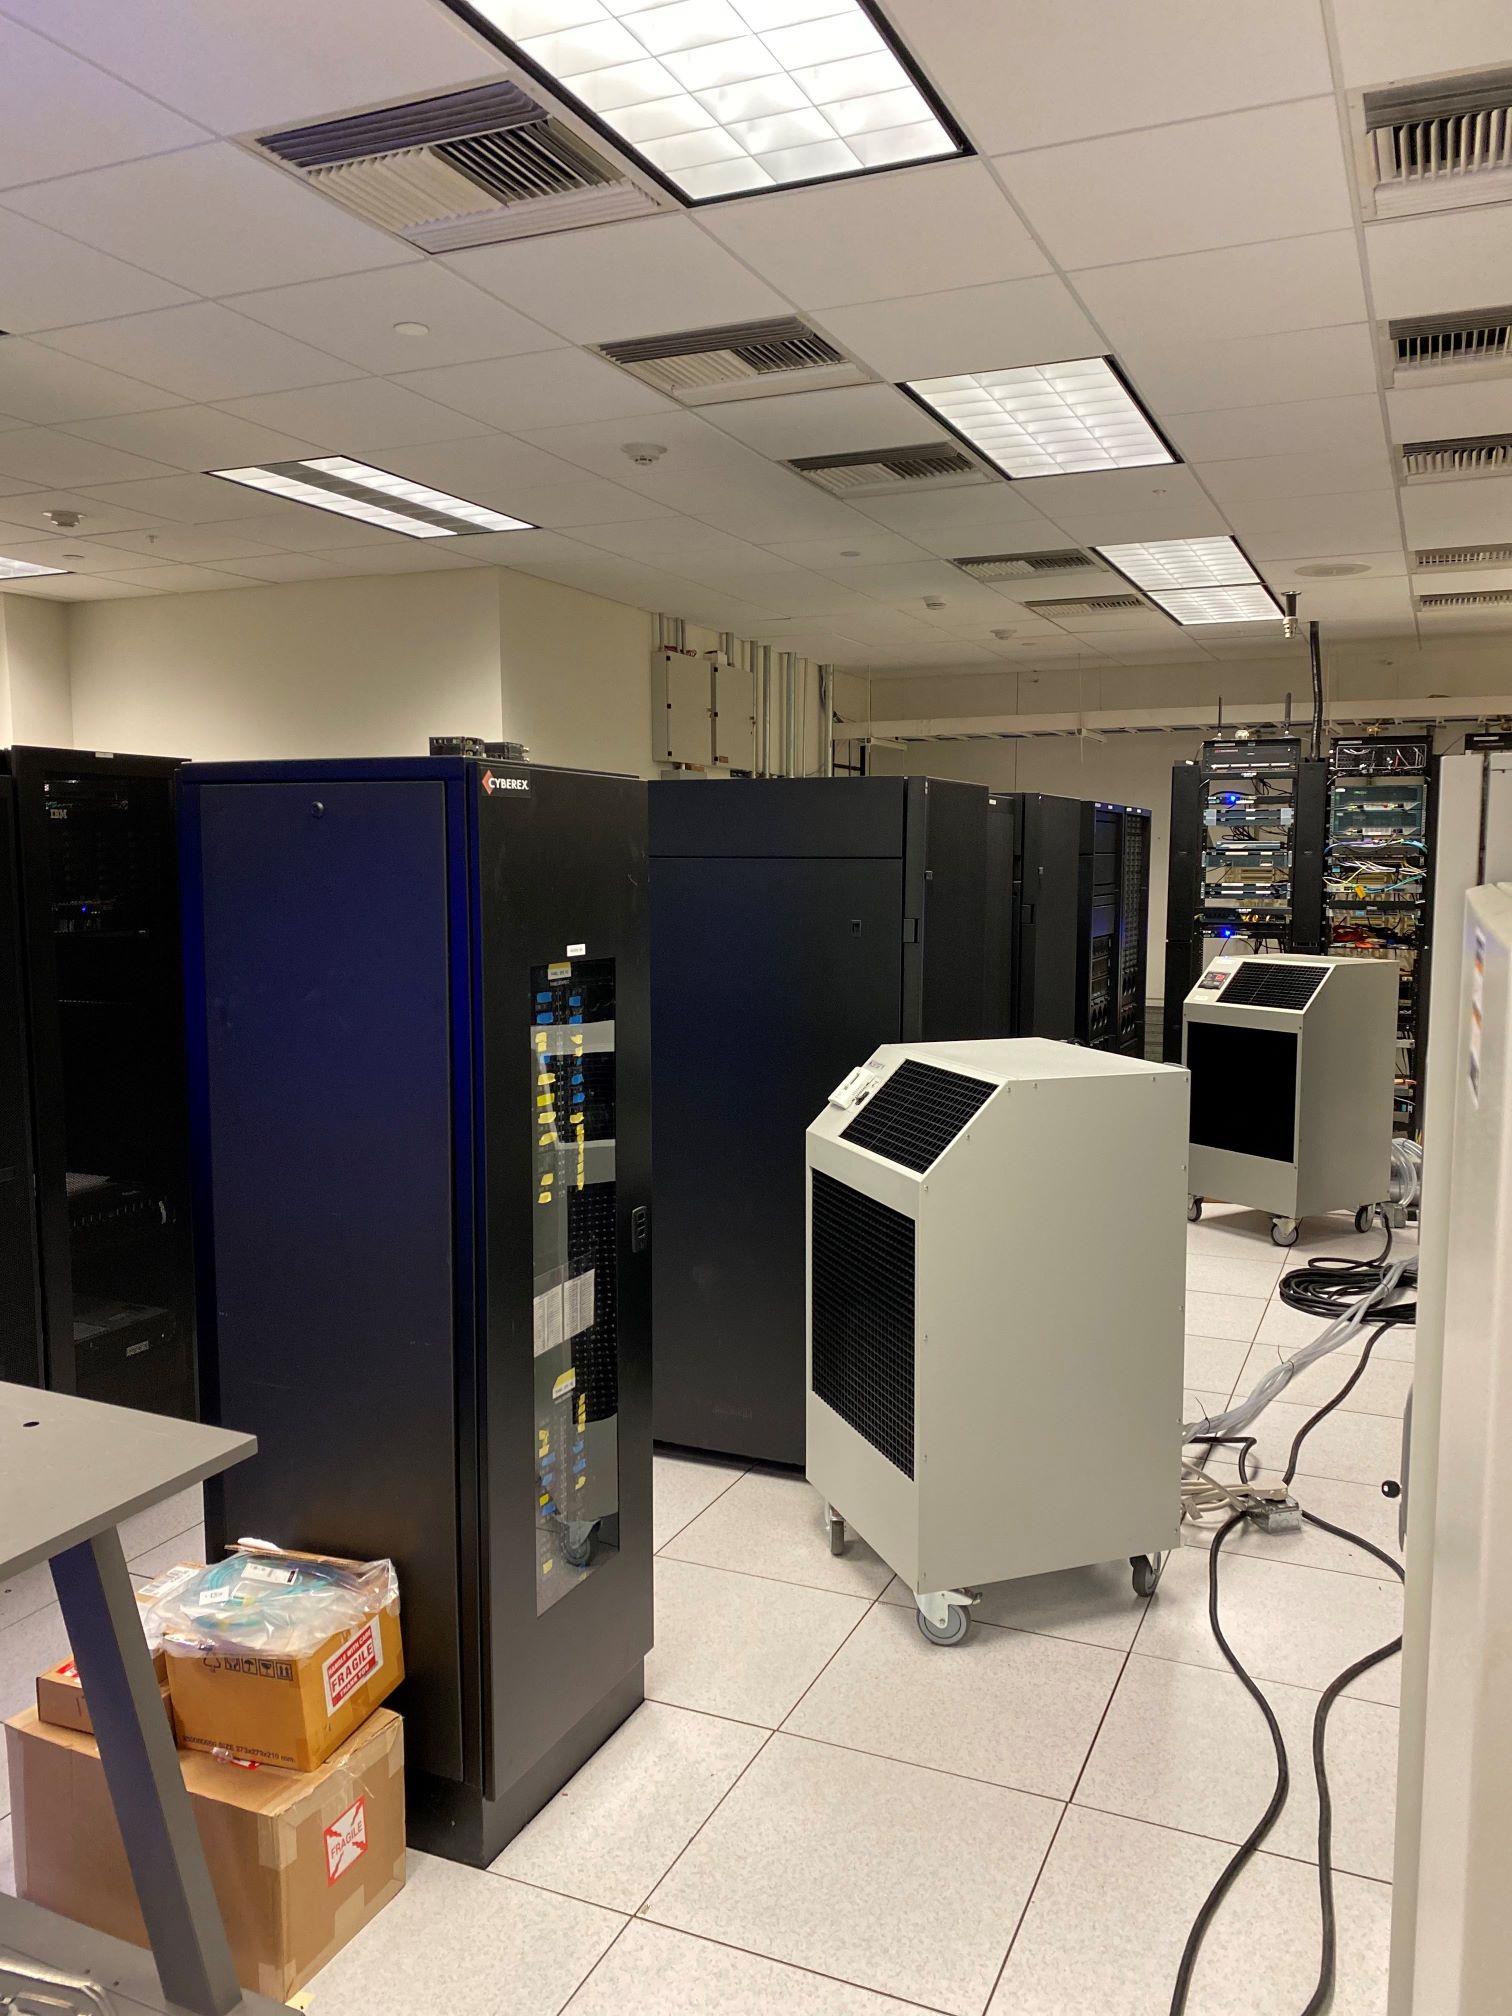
[[71, 1468]]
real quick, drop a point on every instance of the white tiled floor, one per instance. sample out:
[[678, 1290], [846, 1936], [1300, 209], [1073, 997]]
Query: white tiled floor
[[817, 1814]]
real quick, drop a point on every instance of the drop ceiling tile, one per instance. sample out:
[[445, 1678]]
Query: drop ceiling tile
[[46, 280], [852, 417], [1445, 412], [297, 528], [667, 273], [353, 317], [552, 388], [793, 592], [1242, 290], [668, 540], [1381, 41], [911, 580], [582, 501], [406, 556], [59, 114], [1458, 580], [76, 588], [196, 500], [1317, 527], [1349, 426], [1381, 566], [361, 417], [918, 231], [491, 469], [1358, 600], [199, 543], [868, 543], [968, 329], [203, 351], [1244, 177], [46, 456], [210, 218], [1033, 76], [29, 511], [42, 386], [1254, 370], [83, 556], [978, 519], [193, 437], [178, 580], [1168, 497], [1308, 475], [276, 63], [1150, 647], [1458, 514], [1438, 265], [289, 567]]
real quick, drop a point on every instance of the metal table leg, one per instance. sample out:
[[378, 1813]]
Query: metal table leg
[[142, 1770]]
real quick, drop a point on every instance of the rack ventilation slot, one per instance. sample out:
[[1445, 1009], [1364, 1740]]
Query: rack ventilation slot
[[861, 1310]]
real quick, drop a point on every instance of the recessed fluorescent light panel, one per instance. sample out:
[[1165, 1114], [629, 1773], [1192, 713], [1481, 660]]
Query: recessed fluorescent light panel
[[23, 570], [727, 97], [1048, 419], [336, 483], [1195, 580]]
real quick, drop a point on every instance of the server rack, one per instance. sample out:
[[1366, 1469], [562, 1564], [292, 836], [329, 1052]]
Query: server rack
[[421, 1102], [1246, 859], [1112, 925], [796, 924], [1034, 874], [1378, 887], [93, 1027]]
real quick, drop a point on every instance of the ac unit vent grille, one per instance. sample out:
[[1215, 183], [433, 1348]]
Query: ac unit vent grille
[[736, 361], [1469, 598], [913, 1118], [861, 1306], [470, 168], [1430, 145], [1086, 605], [1021, 566], [881, 469], [1474, 455], [1260, 983], [1428, 557], [1437, 342]]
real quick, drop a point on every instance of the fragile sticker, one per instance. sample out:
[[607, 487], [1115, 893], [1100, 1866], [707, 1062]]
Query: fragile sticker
[[346, 1840], [352, 1665]]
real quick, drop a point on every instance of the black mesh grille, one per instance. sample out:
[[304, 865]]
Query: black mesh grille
[[917, 1114], [1259, 984], [862, 1306]]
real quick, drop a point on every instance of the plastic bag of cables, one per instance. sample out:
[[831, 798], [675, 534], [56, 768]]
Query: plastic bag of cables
[[277, 1656]]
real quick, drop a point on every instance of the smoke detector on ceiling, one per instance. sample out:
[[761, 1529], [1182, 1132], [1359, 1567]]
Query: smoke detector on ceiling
[[643, 453]]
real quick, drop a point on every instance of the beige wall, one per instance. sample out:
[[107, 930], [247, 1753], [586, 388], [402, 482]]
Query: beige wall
[[35, 701], [575, 676]]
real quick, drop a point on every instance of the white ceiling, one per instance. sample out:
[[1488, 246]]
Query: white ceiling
[[1164, 181]]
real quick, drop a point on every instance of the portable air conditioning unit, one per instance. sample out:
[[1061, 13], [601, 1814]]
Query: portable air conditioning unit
[[996, 1272], [1293, 1063]]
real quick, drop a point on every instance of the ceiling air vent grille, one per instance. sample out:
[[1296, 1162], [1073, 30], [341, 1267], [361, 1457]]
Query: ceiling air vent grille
[[1473, 455], [1430, 146], [744, 360], [1024, 566], [1462, 556], [1087, 605], [471, 168], [1440, 343], [1467, 598], [935, 465]]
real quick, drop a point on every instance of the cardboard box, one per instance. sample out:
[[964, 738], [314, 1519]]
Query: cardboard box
[[300, 1861], [288, 1712], [60, 1695]]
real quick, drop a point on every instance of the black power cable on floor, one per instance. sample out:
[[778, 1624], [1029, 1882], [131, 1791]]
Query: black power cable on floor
[[1328, 1275], [1330, 1286]]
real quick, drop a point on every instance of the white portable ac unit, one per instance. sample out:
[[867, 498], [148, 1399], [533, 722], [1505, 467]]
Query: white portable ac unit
[[1293, 1064], [997, 1272]]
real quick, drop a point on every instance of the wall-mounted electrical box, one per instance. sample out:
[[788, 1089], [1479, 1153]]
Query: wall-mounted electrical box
[[734, 715], [682, 709]]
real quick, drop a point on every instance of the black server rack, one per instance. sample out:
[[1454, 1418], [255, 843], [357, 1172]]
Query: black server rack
[[419, 1051], [1034, 843], [1378, 881], [1113, 907], [796, 924], [1246, 858], [91, 1022]]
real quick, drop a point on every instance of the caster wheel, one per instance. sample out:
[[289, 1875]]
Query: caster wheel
[[1148, 1569], [1365, 1217], [1194, 1209], [836, 1533], [576, 1553], [1284, 1231], [956, 1624]]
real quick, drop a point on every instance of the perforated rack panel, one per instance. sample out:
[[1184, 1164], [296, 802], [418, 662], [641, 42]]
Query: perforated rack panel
[[1264, 983], [862, 1293], [916, 1115]]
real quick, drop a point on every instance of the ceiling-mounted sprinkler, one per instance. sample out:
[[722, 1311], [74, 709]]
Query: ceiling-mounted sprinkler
[[1289, 624]]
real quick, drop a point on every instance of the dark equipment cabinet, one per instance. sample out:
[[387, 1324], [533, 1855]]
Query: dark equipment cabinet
[[96, 1275], [419, 1048], [1112, 928], [796, 924], [1035, 908]]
